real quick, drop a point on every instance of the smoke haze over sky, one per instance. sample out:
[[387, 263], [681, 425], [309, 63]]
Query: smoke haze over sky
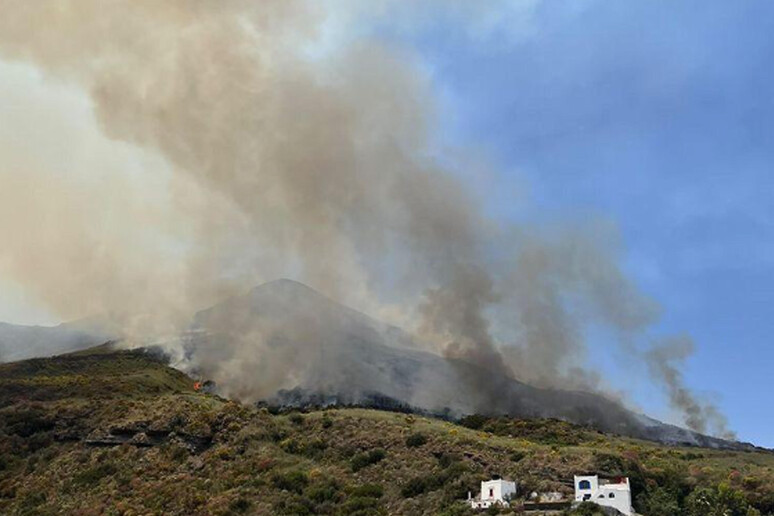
[[461, 173]]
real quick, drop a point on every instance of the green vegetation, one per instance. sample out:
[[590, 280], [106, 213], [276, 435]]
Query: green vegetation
[[586, 509], [117, 432], [361, 460], [416, 440]]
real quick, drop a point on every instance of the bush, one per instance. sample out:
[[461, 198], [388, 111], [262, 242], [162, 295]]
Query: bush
[[296, 418], [415, 486], [457, 509], [718, 501], [368, 491], [517, 456], [474, 421], [294, 481], [93, 475], [291, 446], [360, 506], [239, 505], [361, 460], [659, 502], [416, 440], [313, 449], [328, 492], [447, 459], [587, 509], [32, 500], [608, 464], [276, 434], [419, 485], [296, 506]]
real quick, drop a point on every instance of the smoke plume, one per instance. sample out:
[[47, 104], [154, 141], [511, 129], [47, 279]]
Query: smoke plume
[[256, 158], [663, 360]]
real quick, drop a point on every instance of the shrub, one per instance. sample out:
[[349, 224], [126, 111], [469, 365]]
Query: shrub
[[718, 501], [296, 418], [474, 421], [659, 502], [33, 499], [609, 464], [447, 459], [422, 484], [361, 460], [494, 509], [178, 453], [294, 481], [327, 422], [368, 491], [751, 483], [26, 423], [456, 509], [291, 446], [315, 448], [416, 440], [587, 509], [415, 486], [327, 492], [93, 475], [296, 506], [239, 505], [360, 506], [276, 434], [517, 456]]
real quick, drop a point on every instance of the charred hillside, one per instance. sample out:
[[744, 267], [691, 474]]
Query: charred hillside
[[287, 344]]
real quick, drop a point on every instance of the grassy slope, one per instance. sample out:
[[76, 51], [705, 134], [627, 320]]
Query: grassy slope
[[212, 456]]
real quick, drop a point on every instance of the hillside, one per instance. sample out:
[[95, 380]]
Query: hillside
[[106, 431], [287, 342]]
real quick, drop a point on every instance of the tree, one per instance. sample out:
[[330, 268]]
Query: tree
[[719, 501], [660, 502]]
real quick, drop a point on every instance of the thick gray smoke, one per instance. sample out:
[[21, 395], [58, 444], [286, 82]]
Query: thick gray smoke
[[285, 162], [454, 315]]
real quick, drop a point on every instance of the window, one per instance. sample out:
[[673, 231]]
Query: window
[[612, 495], [491, 493], [584, 484]]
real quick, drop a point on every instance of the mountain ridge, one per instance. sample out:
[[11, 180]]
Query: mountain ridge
[[286, 343], [351, 360]]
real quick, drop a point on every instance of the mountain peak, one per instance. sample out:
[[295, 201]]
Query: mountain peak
[[285, 286]]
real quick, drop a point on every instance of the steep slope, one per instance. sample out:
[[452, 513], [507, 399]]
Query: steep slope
[[285, 342], [100, 372], [132, 437]]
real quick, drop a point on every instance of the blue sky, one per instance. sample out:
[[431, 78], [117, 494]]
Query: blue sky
[[660, 116]]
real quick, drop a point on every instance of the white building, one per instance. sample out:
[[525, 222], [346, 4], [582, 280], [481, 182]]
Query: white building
[[606, 493], [494, 492]]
